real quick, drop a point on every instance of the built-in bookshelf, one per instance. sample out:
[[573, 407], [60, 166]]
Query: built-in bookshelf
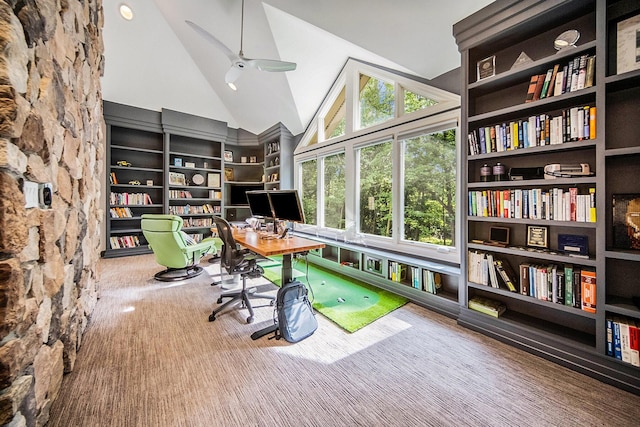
[[546, 163], [433, 285], [194, 182], [135, 173], [243, 171], [278, 146]]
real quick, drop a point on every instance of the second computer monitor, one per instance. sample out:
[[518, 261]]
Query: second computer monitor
[[286, 205]]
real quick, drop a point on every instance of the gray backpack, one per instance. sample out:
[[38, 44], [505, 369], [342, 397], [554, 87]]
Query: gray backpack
[[294, 315]]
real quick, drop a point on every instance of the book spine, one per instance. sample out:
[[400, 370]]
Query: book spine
[[588, 287], [609, 336]]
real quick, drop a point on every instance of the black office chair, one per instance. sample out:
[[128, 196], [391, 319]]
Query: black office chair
[[237, 262]]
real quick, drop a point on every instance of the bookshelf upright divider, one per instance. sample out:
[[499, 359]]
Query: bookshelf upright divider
[[568, 151]]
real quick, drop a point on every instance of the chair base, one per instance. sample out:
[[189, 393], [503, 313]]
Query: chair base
[[175, 274], [242, 296]]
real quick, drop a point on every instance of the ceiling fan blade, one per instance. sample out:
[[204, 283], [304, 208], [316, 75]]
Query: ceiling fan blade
[[207, 35], [271, 64]]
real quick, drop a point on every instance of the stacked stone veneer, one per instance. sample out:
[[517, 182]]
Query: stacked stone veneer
[[51, 131]]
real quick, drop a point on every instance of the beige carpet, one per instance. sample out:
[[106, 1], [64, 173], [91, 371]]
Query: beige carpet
[[151, 358]]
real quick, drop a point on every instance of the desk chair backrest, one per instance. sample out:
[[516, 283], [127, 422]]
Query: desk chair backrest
[[165, 239], [232, 259]]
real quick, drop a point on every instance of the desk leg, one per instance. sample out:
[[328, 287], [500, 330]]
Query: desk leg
[[287, 269], [287, 276]]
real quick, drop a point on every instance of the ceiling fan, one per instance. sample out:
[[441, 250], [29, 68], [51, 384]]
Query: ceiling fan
[[239, 62]]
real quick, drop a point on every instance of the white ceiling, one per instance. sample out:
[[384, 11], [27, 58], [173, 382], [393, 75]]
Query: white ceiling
[[156, 61]]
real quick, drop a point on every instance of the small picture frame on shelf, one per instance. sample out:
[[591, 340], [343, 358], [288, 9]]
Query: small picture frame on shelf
[[177, 162], [149, 182], [538, 236], [176, 178], [213, 180], [626, 221], [243, 159], [628, 45], [487, 68], [205, 165], [228, 156], [253, 159], [228, 174], [189, 165]]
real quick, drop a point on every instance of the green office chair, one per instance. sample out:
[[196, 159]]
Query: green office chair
[[173, 248]]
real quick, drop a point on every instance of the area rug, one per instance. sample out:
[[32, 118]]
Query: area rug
[[350, 303]]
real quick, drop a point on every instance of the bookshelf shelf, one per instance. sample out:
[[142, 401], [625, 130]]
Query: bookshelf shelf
[[564, 334]]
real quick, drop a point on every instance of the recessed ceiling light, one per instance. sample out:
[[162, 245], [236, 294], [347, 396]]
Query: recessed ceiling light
[[232, 86], [126, 12]]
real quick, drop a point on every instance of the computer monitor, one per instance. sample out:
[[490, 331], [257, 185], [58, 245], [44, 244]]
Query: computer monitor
[[259, 204], [286, 205]]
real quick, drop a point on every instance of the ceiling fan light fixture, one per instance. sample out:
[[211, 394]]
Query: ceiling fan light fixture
[[125, 11]]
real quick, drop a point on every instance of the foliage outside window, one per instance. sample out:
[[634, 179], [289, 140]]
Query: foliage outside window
[[415, 102], [430, 188], [377, 101], [309, 170], [376, 201], [334, 188]]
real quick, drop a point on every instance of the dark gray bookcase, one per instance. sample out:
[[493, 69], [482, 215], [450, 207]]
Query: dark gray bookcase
[[193, 153], [134, 136], [503, 30]]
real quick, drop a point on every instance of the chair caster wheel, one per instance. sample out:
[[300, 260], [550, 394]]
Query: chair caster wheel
[[212, 317], [250, 319], [219, 300]]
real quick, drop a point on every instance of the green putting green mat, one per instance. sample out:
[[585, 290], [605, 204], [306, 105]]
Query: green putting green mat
[[350, 303]]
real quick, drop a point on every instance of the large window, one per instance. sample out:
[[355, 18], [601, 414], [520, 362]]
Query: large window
[[309, 190], [376, 201], [334, 188], [429, 172], [379, 164]]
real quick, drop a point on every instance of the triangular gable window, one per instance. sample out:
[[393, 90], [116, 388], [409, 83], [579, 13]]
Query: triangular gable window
[[415, 102], [365, 98]]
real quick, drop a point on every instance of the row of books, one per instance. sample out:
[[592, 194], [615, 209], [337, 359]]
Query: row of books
[[577, 74], [397, 271], [121, 242], [112, 178], [490, 270], [194, 210], [623, 339], [120, 212], [180, 194], [554, 204], [573, 124], [215, 194], [197, 237], [561, 284], [130, 199], [197, 222]]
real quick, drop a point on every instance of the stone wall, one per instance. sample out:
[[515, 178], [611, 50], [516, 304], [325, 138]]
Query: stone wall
[[51, 131]]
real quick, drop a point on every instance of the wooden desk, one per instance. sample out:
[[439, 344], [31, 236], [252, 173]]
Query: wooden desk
[[269, 247]]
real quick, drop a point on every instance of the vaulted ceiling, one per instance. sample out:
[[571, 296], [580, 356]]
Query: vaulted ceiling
[[157, 61]]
